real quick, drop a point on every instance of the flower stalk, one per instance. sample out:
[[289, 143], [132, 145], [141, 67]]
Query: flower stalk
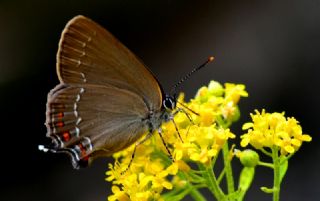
[[212, 182], [276, 174], [227, 168]]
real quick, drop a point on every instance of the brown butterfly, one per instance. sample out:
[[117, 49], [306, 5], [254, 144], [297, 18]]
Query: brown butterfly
[[107, 98]]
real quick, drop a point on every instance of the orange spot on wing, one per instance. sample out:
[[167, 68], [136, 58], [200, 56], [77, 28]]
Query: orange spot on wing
[[86, 158], [66, 136], [60, 115], [60, 124], [83, 150]]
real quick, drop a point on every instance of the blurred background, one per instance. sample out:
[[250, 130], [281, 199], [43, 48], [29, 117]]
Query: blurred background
[[270, 46]]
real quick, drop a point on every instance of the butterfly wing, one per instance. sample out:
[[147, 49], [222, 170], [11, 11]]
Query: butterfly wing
[[89, 54], [104, 97], [86, 119]]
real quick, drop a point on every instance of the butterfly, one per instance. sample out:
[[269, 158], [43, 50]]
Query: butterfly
[[107, 98]]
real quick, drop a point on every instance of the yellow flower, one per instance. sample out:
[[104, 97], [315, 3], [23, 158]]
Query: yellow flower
[[118, 195], [233, 92], [202, 139], [143, 181], [274, 129]]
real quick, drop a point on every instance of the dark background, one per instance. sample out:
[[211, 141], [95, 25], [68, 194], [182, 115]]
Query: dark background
[[270, 46]]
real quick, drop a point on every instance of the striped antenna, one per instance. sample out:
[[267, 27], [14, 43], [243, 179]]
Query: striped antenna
[[174, 88]]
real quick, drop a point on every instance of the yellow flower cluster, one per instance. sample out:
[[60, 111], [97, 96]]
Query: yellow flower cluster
[[222, 101], [273, 129], [146, 178], [200, 125]]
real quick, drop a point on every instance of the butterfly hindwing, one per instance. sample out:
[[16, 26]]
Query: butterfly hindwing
[[84, 119]]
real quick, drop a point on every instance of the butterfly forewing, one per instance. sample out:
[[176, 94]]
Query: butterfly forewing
[[89, 54]]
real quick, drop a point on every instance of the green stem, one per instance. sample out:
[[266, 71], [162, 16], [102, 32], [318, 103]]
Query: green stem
[[221, 176], [212, 182], [266, 152], [227, 166], [194, 192], [288, 157], [276, 174], [213, 161], [269, 165], [196, 195]]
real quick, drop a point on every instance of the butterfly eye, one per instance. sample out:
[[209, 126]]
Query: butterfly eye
[[169, 103]]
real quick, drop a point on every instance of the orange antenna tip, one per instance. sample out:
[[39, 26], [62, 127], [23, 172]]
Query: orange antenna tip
[[210, 59]]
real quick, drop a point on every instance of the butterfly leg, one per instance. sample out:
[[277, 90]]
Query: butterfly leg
[[134, 150], [188, 116], [186, 113], [190, 110], [175, 126], [165, 144]]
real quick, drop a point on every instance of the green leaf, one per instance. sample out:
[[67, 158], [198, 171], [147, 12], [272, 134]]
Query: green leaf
[[175, 194], [235, 196], [245, 180], [178, 197], [283, 169], [266, 189]]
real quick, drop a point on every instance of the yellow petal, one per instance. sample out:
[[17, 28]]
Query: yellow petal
[[306, 138], [173, 169], [244, 142], [178, 155], [195, 156], [167, 185], [183, 166], [289, 149], [247, 125], [296, 142], [212, 152]]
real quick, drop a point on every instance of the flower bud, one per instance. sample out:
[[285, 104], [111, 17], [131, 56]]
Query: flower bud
[[215, 88], [248, 158]]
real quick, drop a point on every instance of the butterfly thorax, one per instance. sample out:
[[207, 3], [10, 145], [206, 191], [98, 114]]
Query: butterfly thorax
[[156, 118]]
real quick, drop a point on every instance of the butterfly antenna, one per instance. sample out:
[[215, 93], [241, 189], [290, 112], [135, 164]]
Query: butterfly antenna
[[174, 88]]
